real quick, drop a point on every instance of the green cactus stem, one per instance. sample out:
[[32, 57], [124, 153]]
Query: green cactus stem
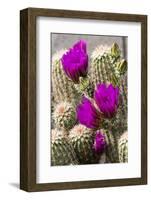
[[82, 140], [102, 68], [112, 147], [123, 148], [107, 65], [62, 152]]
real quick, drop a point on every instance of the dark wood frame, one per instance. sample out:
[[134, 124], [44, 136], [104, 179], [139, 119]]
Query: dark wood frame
[[28, 98]]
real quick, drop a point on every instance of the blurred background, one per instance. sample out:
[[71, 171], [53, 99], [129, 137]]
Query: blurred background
[[65, 40]]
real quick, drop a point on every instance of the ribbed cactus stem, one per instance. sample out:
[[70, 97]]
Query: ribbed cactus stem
[[120, 120], [82, 140], [112, 147], [123, 148], [124, 94], [103, 63], [96, 72], [111, 73], [62, 152]]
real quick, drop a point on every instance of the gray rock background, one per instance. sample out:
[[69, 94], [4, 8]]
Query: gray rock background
[[59, 41]]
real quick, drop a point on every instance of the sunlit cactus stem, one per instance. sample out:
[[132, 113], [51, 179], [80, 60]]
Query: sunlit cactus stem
[[107, 64], [123, 148], [62, 153], [120, 122], [82, 140], [103, 60], [112, 147]]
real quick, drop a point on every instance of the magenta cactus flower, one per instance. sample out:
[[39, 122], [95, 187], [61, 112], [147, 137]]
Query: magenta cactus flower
[[75, 61], [107, 99], [88, 115], [99, 142]]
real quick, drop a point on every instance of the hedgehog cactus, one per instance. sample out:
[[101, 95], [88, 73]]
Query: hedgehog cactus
[[95, 97], [62, 152], [82, 140], [123, 148], [62, 88], [64, 116]]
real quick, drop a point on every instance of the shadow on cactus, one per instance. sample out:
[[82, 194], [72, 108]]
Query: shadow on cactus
[[89, 102]]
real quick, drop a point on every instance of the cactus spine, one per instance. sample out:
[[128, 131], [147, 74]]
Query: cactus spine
[[123, 148], [82, 140], [62, 152], [64, 116]]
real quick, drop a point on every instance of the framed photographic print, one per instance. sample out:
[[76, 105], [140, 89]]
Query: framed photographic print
[[83, 99]]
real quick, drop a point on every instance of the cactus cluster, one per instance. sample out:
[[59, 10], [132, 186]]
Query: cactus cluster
[[89, 106]]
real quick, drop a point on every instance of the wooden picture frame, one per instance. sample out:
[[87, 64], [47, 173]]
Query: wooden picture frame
[[28, 98]]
